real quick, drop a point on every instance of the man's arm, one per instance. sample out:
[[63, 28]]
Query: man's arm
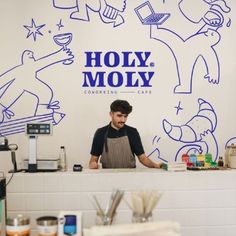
[[93, 163], [148, 162]]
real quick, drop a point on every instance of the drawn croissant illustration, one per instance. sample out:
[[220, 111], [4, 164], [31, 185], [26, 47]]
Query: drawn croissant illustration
[[194, 130]]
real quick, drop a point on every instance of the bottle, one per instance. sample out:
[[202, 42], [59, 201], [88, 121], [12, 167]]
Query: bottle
[[70, 227], [193, 159], [62, 159], [220, 162], [185, 158]]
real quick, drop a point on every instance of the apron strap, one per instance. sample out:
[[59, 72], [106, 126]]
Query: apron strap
[[106, 136]]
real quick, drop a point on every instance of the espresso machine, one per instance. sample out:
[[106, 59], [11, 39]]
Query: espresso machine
[[4, 146]]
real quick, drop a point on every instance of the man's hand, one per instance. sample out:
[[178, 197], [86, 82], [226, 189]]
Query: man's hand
[[158, 165], [93, 163], [149, 163]]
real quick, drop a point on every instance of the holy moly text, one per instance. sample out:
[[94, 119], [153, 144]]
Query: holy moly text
[[102, 73]]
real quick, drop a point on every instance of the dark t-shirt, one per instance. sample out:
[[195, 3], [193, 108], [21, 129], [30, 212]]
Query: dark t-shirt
[[132, 133]]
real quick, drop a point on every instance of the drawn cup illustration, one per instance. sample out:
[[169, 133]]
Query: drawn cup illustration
[[64, 40]]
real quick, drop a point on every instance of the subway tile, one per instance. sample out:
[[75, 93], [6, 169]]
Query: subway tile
[[209, 230], [34, 201], [16, 202], [16, 184], [198, 216], [207, 199], [54, 201], [52, 183], [33, 183]]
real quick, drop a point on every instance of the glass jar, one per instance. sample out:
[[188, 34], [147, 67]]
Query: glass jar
[[18, 226], [141, 218], [103, 219], [230, 156], [47, 225]]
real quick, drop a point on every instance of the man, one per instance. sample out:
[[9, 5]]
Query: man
[[117, 143]]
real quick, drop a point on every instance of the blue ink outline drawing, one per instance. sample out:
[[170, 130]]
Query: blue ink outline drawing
[[24, 79], [33, 29], [195, 136], [158, 156], [60, 25], [108, 10], [208, 11], [198, 133], [156, 150], [198, 47], [186, 53], [148, 16], [178, 108]]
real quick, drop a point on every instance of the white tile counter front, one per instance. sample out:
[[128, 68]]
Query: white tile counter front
[[203, 202]]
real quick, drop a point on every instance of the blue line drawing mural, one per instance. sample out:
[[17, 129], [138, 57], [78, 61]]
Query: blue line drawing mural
[[187, 53], [148, 16], [156, 151], [199, 47], [24, 79], [178, 108], [158, 156], [34, 30], [209, 11], [198, 133], [64, 40], [60, 25], [108, 10], [194, 137]]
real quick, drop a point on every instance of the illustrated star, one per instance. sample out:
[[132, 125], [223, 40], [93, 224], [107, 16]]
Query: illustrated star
[[60, 25], [178, 108], [33, 30]]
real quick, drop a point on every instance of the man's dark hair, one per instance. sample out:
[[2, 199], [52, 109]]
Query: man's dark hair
[[121, 106]]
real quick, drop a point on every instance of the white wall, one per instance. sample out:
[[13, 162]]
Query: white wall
[[31, 25]]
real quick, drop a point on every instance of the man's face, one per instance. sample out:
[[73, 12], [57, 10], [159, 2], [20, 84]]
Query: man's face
[[118, 119]]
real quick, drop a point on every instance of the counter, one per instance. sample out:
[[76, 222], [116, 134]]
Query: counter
[[204, 202]]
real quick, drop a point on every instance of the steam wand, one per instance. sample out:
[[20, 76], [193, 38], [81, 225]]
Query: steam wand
[[13, 148]]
